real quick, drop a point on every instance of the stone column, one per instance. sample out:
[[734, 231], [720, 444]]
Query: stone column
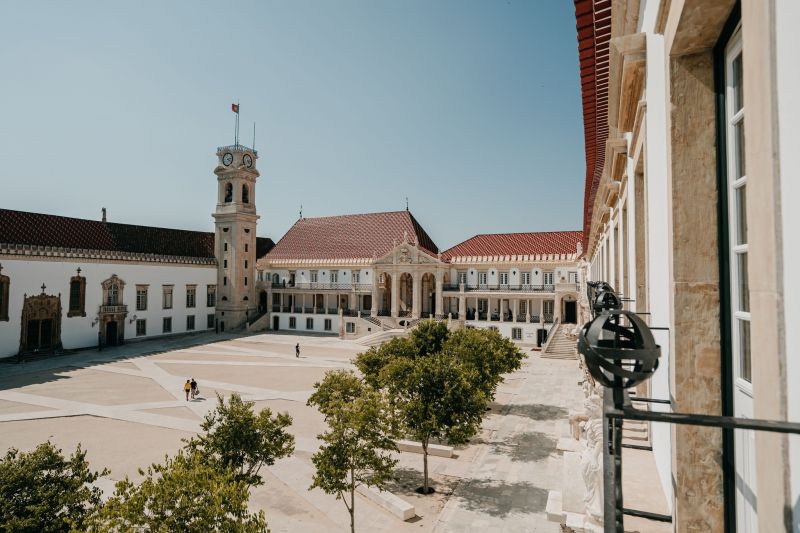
[[462, 307], [395, 294], [375, 305], [416, 292], [541, 311], [500, 309], [515, 310], [439, 300]]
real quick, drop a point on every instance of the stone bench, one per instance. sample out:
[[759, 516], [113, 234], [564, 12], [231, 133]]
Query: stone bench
[[397, 506], [412, 446]]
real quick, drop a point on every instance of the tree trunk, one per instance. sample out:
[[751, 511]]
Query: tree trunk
[[352, 504], [425, 463]]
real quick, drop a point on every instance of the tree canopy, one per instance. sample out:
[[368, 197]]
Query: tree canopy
[[243, 440], [42, 491], [185, 493], [357, 447]]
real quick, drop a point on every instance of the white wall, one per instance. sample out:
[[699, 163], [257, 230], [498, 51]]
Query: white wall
[[787, 12], [77, 332], [300, 319]]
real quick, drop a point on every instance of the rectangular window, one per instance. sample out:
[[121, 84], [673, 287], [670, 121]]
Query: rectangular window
[[334, 276], [462, 278], [482, 277], [141, 327], [141, 297], [516, 334], [245, 247], [75, 296], [548, 278], [356, 276], [225, 281], [573, 277], [292, 322], [191, 292], [314, 276], [167, 297], [210, 322], [245, 263], [525, 278], [327, 324], [211, 295], [503, 278], [225, 246], [309, 323], [245, 281], [167, 325], [224, 263], [190, 323], [351, 327], [523, 307]]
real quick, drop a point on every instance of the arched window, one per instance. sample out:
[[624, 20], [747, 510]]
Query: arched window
[[245, 194], [228, 193]]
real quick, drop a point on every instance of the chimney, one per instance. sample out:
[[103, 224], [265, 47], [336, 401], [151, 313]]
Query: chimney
[[104, 214]]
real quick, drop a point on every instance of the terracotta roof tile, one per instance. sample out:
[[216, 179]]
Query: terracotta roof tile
[[349, 237], [511, 244], [21, 227]]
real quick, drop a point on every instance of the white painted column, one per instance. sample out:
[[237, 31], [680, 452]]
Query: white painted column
[[439, 299], [395, 294], [416, 293], [515, 310]]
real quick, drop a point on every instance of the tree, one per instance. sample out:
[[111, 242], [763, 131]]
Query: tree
[[428, 337], [371, 362], [358, 445], [185, 493], [42, 491], [242, 440], [438, 398], [490, 354]]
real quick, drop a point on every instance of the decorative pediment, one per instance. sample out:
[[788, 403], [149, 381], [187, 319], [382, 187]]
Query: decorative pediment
[[406, 253], [113, 281]]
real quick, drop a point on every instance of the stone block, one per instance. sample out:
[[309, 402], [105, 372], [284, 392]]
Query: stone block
[[433, 449], [553, 507], [386, 500], [573, 489]]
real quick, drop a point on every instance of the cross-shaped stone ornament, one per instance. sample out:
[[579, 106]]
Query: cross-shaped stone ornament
[[43, 287]]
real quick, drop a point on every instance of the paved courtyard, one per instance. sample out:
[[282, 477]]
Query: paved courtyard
[[126, 407]]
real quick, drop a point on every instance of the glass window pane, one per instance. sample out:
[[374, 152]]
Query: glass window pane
[[744, 350], [741, 214], [743, 286], [736, 74], [738, 149]]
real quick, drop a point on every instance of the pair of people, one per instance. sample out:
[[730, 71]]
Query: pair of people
[[190, 388]]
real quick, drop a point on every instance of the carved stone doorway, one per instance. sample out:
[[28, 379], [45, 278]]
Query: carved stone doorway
[[41, 324], [112, 337]]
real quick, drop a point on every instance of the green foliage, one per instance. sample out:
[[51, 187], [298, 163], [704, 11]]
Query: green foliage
[[357, 448], [241, 440], [438, 398], [428, 337], [488, 352], [185, 493], [371, 362], [42, 491]]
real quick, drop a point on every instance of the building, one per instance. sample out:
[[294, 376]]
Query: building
[[359, 274], [68, 283], [692, 136]]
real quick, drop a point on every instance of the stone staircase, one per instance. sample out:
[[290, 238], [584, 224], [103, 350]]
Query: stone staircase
[[561, 346], [380, 337]]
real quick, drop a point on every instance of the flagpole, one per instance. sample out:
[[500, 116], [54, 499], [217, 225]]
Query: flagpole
[[254, 136], [237, 121]]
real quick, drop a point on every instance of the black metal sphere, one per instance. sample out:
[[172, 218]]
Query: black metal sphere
[[618, 349], [605, 301]]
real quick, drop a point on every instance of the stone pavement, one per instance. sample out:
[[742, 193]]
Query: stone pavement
[[127, 408]]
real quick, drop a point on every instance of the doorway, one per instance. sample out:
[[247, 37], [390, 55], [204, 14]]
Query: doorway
[[276, 323], [111, 333], [570, 312], [262, 302], [40, 334]]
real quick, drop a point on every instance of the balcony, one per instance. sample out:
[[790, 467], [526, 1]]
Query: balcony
[[113, 309], [319, 286], [527, 288]]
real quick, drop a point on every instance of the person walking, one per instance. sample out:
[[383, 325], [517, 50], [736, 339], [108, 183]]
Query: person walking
[[297, 350], [187, 388], [194, 388]]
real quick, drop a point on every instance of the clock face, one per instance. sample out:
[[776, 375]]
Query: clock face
[[227, 159], [248, 161]]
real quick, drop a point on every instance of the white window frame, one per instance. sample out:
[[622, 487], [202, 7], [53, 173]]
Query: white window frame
[[141, 327], [166, 296], [356, 276], [525, 278], [516, 334], [483, 278], [547, 277], [313, 276], [462, 277], [334, 276], [503, 278], [141, 297]]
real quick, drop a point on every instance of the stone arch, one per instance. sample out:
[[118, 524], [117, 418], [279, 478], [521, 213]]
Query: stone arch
[[428, 300], [385, 288], [245, 194]]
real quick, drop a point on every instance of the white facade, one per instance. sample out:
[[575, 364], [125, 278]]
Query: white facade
[[26, 277]]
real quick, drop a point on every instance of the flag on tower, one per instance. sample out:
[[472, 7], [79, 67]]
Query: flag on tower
[[235, 108]]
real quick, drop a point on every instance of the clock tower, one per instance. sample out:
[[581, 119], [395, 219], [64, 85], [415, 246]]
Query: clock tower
[[235, 236]]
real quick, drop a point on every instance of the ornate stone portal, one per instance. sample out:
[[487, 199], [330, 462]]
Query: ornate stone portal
[[41, 324]]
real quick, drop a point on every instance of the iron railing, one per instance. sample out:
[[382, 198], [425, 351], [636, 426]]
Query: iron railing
[[484, 287]]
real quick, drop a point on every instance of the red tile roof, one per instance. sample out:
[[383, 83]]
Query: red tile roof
[[345, 237], [516, 244], [36, 229], [593, 24]]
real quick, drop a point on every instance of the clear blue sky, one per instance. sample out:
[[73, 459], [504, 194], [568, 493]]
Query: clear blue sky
[[469, 108]]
